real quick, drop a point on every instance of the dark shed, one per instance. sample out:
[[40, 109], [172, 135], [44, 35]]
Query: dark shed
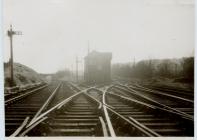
[[98, 67]]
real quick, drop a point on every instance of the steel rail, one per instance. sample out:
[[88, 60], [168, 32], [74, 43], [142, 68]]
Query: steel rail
[[44, 106], [18, 130], [101, 92], [162, 93], [134, 100], [18, 89], [21, 89], [23, 95], [100, 104], [169, 88], [32, 126], [74, 86], [185, 115], [144, 127], [104, 128], [111, 129]]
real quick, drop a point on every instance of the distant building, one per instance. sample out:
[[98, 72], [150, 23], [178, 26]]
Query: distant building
[[97, 67]]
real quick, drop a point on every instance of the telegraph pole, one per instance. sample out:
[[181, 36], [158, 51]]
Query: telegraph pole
[[72, 77], [134, 62], [77, 69], [86, 72], [77, 75], [88, 46], [175, 69], [10, 35]]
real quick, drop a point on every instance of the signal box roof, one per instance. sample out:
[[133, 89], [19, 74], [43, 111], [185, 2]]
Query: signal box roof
[[101, 55]]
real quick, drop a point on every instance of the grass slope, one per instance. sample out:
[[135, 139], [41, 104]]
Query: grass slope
[[22, 75]]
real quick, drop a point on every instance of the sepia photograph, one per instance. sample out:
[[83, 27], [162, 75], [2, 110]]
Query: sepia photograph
[[98, 68]]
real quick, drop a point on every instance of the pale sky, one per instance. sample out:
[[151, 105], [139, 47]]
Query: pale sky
[[55, 31]]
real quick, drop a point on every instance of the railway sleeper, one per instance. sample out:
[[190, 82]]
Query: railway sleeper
[[73, 132], [163, 125]]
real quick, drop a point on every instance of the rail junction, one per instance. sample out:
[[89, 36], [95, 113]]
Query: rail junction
[[63, 108]]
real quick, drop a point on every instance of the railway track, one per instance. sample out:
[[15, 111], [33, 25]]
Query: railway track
[[28, 106], [101, 112], [24, 107], [161, 122], [83, 115], [120, 125], [20, 91], [66, 90], [187, 94], [152, 118], [175, 103], [80, 118], [183, 93], [78, 115]]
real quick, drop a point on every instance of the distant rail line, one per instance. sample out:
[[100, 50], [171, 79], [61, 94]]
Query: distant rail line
[[183, 93], [176, 103]]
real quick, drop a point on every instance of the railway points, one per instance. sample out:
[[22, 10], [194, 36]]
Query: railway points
[[68, 109]]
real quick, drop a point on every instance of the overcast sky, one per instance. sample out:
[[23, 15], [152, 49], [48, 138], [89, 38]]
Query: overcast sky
[[55, 31]]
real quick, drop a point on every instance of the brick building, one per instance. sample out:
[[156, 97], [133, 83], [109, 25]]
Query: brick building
[[98, 67]]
